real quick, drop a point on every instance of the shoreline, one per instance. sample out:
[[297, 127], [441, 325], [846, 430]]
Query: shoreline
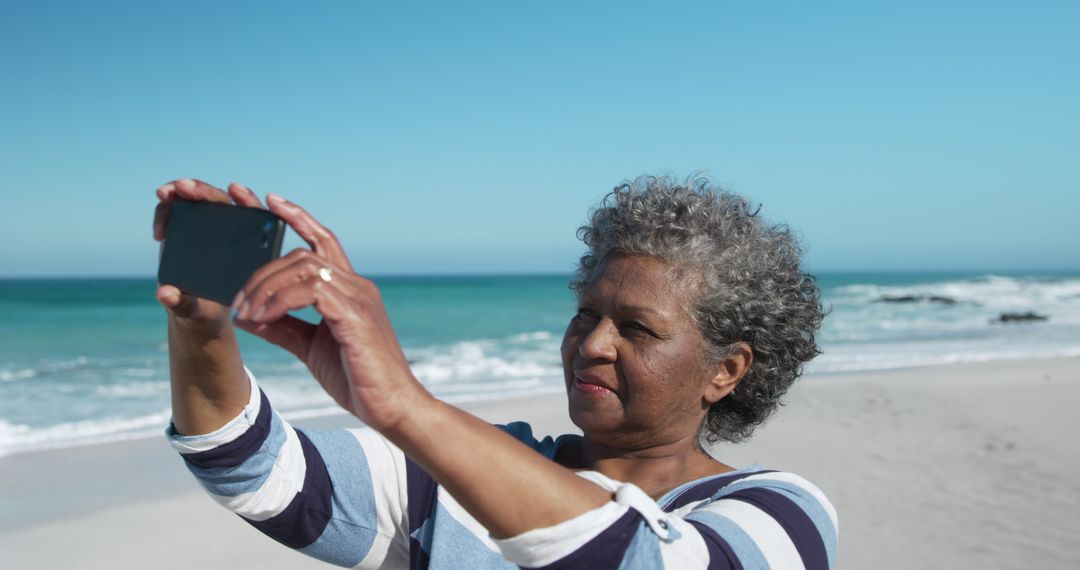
[[93, 466], [961, 466], [466, 401]]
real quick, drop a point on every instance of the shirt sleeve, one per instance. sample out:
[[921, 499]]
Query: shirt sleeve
[[768, 520], [338, 495]]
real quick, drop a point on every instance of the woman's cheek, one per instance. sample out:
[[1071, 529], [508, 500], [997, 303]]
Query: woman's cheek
[[570, 336]]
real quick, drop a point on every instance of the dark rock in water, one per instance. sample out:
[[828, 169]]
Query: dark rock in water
[[897, 299], [916, 299], [1019, 317]]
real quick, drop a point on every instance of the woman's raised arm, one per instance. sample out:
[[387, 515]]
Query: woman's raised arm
[[209, 386]]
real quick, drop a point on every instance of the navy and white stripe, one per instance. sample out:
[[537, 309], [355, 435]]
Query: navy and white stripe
[[314, 492], [351, 498], [422, 498]]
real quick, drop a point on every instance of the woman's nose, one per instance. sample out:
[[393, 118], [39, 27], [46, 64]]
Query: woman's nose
[[599, 343]]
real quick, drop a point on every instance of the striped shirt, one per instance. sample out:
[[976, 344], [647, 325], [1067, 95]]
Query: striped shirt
[[351, 498]]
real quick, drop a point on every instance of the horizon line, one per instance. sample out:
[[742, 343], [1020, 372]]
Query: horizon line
[[568, 274]]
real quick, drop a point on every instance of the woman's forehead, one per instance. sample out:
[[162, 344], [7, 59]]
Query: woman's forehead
[[636, 282]]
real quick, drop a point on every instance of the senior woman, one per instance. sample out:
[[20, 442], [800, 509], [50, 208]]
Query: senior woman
[[693, 320]]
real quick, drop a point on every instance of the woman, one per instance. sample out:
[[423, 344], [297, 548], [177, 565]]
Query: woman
[[693, 320]]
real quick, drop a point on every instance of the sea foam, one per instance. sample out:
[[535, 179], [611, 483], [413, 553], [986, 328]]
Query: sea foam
[[68, 377]]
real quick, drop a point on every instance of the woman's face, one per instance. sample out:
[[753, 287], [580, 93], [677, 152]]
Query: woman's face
[[633, 357]]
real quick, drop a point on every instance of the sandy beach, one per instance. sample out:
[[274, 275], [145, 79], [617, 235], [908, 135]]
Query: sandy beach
[[957, 466]]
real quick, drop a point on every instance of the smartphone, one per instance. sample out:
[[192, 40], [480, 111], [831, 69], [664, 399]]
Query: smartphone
[[211, 249]]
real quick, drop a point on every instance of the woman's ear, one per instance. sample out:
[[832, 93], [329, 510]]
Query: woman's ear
[[731, 371]]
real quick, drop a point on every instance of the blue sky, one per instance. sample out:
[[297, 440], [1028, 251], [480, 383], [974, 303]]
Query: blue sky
[[473, 137]]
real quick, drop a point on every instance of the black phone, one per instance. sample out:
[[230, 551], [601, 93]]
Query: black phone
[[211, 249]]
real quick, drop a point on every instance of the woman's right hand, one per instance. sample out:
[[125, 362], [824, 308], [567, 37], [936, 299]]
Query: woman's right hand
[[190, 312]]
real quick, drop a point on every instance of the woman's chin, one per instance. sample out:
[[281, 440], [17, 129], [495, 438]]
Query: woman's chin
[[593, 419]]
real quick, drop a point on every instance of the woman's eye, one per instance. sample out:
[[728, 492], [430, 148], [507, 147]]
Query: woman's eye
[[638, 327], [585, 314]]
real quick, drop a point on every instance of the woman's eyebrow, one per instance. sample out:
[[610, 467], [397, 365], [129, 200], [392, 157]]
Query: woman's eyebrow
[[629, 308], [624, 307]]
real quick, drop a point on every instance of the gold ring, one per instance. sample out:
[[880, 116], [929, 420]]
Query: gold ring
[[326, 273]]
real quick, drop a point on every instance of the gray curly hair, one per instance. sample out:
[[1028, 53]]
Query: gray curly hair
[[745, 275]]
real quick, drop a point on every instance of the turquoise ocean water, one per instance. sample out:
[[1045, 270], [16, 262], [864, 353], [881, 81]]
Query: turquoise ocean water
[[84, 361]]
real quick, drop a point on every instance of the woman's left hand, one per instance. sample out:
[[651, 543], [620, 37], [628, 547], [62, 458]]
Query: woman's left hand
[[353, 351]]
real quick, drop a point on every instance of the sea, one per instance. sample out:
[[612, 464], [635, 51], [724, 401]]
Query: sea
[[84, 361]]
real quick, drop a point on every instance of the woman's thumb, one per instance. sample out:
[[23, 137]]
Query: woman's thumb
[[175, 302]]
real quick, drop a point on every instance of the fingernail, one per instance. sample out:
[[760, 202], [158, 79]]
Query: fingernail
[[166, 187], [258, 312], [242, 313], [186, 182], [236, 301], [271, 197]]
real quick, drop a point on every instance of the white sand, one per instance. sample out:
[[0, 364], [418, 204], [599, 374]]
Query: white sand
[[962, 466]]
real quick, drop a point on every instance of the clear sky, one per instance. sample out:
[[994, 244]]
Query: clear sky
[[474, 136]]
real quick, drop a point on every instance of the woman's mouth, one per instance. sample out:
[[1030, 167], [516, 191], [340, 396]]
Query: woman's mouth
[[591, 389]]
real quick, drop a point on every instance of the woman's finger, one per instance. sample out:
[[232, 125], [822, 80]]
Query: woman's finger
[[332, 304], [184, 306], [167, 194], [161, 218], [168, 296], [301, 265], [191, 189], [260, 275], [319, 237], [243, 196], [295, 294], [288, 332]]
